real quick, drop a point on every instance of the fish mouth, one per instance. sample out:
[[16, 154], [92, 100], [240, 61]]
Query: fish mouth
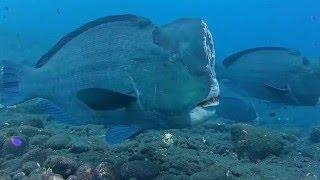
[[209, 102]]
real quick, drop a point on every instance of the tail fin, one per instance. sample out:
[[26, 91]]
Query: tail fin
[[12, 74]]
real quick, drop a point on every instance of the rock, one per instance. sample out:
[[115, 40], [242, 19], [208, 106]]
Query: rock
[[172, 177], [105, 171], [85, 171], [315, 135], [35, 122], [35, 177], [5, 177], [139, 169], [39, 140], [37, 154], [59, 141], [7, 132], [216, 127], [47, 175], [19, 175], [91, 157], [2, 141], [310, 152], [193, 143], [79, 147], [29, 131], [221, 148], [9, 156], [150, 152], [15, 145], [30, 166], [255, 143], [137, 156], [213, 172], [290, 138], [11, 165], [61, 165], [72, 177]]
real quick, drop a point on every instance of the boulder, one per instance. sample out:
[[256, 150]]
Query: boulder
[[255, 143], [140, 169]]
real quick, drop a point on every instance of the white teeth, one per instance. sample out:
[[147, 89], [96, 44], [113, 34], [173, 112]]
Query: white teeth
[[214, 101]]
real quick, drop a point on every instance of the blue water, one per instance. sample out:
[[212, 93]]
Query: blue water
[[31, 27], [236, 24]]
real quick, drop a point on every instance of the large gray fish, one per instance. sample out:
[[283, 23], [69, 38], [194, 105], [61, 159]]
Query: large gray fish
[[125, 72], [273, 74]]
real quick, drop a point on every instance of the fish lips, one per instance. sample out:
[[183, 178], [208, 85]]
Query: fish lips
[[204, 110]]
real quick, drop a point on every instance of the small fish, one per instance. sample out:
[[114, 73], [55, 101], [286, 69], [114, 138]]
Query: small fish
[[6, 8], [273, 74], [315, 18], [58, 11], [273, 114], [124, 72]]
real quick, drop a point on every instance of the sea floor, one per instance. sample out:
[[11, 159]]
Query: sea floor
[[35, 147]]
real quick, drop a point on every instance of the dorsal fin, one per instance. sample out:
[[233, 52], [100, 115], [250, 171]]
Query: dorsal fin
[[67, 38], [234, 57]]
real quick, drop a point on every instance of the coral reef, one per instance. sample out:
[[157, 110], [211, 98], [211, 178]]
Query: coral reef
[[35, 147]]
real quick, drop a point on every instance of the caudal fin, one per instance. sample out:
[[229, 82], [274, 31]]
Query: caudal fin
[[11, 90]]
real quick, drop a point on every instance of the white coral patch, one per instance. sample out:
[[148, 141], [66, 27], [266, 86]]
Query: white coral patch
[[167, 139]]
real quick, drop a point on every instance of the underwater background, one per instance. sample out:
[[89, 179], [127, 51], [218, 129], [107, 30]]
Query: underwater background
[[29, 28], [236, 25]]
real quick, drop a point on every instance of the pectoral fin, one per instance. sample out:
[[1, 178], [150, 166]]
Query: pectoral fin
[[120, 133], [277, 89], [103, 99]]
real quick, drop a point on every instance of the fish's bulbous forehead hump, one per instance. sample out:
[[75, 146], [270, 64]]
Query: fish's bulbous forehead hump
[[191, 41], [187, 21]]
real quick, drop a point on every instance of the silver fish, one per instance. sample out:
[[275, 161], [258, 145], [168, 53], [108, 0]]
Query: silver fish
[[273, 74], [123, 70]]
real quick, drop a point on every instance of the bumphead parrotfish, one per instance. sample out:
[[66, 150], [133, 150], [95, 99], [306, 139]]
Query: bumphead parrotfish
[[124, 72], [236, 109], [273, 74]]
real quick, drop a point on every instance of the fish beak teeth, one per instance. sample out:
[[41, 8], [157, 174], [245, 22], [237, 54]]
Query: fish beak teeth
[[210, 102]]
